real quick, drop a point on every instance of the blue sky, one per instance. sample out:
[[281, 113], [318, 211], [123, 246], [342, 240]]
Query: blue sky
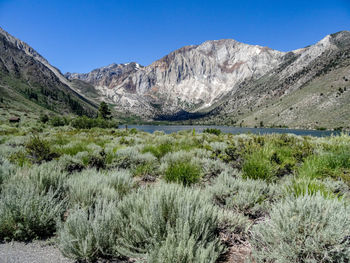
[[78, 36]]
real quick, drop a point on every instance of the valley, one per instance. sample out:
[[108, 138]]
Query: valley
[[217, 82]]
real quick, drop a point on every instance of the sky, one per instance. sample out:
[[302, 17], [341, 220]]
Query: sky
[[81, 35]]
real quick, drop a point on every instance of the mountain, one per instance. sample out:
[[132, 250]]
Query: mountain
[[189, 79], [228, 82], [29, 83], [216, 82], [310, 89]]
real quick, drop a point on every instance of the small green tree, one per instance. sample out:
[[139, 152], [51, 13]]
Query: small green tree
[[104, 111]]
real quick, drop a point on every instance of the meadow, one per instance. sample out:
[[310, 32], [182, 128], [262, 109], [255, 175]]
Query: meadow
[[108, 193]]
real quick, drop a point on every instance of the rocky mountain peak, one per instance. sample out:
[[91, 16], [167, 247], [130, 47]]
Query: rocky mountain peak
[[104, 76], [341, 39]]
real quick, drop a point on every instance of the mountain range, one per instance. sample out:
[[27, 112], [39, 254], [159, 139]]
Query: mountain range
[[216, 82]]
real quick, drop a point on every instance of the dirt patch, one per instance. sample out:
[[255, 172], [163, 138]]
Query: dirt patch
[[238, 250]]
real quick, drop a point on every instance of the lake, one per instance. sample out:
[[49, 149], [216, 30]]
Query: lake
[[228, 129]]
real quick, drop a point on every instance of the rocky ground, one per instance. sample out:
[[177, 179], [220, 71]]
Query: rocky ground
[[33, 252]]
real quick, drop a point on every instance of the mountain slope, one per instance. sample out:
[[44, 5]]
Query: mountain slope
[[34, 81], [220, 81], [309, 90], [189, 79], [230, 82]]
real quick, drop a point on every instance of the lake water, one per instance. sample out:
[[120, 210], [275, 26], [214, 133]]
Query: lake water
[[227, 129]]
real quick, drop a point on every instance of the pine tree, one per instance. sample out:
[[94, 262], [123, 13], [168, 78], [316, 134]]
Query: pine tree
[[104, 111]]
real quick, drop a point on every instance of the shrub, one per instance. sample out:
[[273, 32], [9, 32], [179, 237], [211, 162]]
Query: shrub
[[71, 164], [39, 150], [212, 131], [82, 123], [26, 212], [249, 197], [46, 177], [88, 123], [20, 158], [218, 147], [57, 121], [180, 248], [234, 222], [305, 229], [175, 157], [89, 186], [44, 118], [98, 161], [212, 168], [185, 173], [168, 218], [147, 169], [88, 233], [159, 150], [6, 170], [257, 166], [72, 148], [130, 157]]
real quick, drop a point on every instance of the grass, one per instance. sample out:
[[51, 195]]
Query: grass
[[117, 194], [185, 173]]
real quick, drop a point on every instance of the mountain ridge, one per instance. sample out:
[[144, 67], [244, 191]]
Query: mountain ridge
[[33, 80], [199, 80], [218, 81]]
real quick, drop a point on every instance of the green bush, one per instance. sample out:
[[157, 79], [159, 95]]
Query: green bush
[[168, 218], [250, 197], [257, 166], [182, 248], [87, 187], [185, 173], [44, 118], [158, 150], [315, 167], [57, 121], [236, 223], [130, 158], [147, 169], [304, 229], [212, 131], [89, 233], [6, 170], [27, 213], [39, 150], [45, 177]]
